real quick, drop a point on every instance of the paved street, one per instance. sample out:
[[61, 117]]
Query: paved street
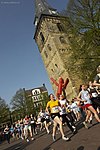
[[85, 139]]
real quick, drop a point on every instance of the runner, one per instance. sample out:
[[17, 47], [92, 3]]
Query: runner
[[64, 116], [7, 133], [53, 105], [27, 128], [94, 95], [84, 97], [75, 109], [47, 121], [33, 124]]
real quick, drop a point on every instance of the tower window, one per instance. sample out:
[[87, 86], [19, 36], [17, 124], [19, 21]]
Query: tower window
[[40, 7], [56, 65], [49, 47], [60, 27], [42, 37], [52, 70], [62, 40], [62, 50], [45, 53]]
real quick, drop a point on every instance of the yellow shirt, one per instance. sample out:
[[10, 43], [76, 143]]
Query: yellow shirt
[[54, 106]]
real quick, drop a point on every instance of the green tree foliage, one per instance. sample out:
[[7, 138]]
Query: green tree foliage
[[84, 15], [18, 104], [4, 111], [84, 36], [21, 105]]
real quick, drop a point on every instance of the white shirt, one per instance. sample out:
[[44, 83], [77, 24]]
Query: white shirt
[[63, 105], [85, 96]]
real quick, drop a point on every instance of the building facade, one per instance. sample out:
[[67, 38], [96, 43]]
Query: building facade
[[38, 97]]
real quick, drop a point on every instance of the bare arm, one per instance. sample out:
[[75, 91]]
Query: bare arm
[[47, 108], [78, 97], [96, 84]]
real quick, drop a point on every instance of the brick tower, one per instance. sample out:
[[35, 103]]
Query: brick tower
[[53, 44]]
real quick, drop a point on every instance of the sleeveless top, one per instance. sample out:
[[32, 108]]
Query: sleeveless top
[[85, 96]]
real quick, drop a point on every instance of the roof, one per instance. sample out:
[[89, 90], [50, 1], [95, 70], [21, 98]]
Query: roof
[[42, 90], [42, 7]]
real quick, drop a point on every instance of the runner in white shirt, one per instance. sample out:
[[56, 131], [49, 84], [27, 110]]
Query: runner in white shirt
[[64, 116], [27, 128]]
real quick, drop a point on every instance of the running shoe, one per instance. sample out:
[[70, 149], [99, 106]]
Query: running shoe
[[27, 140], [54, 138], [22, 138], [85, 125], [48, 132], [75, 131], [32, 139], [65, 138], [90, 121]]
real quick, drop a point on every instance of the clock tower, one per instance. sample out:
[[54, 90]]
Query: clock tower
[[53, 43]]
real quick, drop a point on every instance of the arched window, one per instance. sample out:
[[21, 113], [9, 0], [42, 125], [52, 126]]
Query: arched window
[[56, 65], [42, 37], [40, 7], [60, 27], [62, 50], [62, 40], [45, 53], [49, 47], [52, 70], [35, 92]]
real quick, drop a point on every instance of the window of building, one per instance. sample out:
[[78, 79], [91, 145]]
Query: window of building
[[56, 65], [35, 105], [62, 40], [42, 37], [40, 7], [40, 97], [38, 92], [35, 93], [49, 47], [52, 70], [36, 98], [62, 50], [60, 27], [45, 53]]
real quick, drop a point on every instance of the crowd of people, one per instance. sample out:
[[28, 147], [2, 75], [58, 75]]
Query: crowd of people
[[60, 112]]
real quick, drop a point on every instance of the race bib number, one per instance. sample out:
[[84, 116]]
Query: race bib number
[[55, 109]]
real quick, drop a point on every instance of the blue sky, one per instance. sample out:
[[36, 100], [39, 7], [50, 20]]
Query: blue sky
[[21, 65]]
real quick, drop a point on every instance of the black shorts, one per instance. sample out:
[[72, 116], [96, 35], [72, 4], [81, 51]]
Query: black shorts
[[42, 120], [47, 120], [53, 115], [95, 102]]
